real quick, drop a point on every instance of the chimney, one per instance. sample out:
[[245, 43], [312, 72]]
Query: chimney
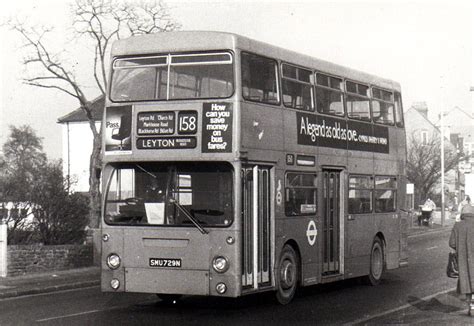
[[421, 107]]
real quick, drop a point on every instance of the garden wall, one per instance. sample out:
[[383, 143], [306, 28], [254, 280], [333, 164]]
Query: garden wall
[[27, 259]]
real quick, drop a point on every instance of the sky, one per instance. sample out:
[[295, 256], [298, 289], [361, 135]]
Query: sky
[[427, 46]]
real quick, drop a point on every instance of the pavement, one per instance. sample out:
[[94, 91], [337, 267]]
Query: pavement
[[436, 226], [444, 308], [441, 308], [49, 282]]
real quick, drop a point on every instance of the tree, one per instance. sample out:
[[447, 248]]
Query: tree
[[101, 22], [38, 197], [424, 165], [60, 217], [23, 157]]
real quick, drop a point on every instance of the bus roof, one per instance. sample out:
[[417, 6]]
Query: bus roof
[[206, 40]]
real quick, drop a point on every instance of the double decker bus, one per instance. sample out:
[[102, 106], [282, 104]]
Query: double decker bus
[[232, 167]]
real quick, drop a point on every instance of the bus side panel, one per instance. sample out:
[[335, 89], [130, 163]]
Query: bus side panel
[[388, 226], [360, 231], [359, 228], [389, 223], [262, 127], [293, 230]]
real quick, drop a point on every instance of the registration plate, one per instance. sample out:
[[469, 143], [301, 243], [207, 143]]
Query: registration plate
[[165, 262]]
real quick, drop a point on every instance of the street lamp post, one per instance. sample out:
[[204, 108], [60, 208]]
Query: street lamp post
[[442, 168]]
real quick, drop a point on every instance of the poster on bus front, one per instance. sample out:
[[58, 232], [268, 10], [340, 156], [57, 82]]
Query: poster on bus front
[[118, 127], [217, 128]]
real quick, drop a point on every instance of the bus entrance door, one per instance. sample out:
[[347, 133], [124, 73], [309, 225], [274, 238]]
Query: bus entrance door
[[331, 214], [256, 231]]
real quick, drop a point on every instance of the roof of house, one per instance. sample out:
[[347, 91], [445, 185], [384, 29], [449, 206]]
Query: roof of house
[[458, 113], [78, 115], [413, 110], [416, 111]]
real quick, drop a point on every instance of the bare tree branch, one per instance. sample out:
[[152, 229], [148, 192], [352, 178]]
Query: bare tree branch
[[424, 164], [51, 86], [101, 22]]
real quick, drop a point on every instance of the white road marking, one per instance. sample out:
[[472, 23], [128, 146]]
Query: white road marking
[[431, 248], [387, 312], [416, 235], [70, 315], [93, 311]]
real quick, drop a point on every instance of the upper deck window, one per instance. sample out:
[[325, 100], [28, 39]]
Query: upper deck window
[[382, 106], [357, 101], [296, 88], [329, 96], [259, 79], [175, 76]]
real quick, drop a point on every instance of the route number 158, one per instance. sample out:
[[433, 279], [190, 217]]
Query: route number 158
[[187, 122]]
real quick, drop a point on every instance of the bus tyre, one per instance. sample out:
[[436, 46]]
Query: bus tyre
[[287, 275], [377, 263], [169, 298]]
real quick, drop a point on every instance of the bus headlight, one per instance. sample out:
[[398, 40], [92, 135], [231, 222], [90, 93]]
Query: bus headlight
[[113, 261], [220, 264]]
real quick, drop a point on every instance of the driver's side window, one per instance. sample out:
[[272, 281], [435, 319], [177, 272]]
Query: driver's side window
[[122, 185]]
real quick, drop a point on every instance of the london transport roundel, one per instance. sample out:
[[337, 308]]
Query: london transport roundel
[[311, 233]]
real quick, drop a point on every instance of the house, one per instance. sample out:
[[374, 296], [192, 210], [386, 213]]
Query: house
[[77, 144], [420, 129], [459, 125]]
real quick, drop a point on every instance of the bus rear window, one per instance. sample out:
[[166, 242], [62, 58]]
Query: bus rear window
[[398, 110], [177, 76], [167, 194]]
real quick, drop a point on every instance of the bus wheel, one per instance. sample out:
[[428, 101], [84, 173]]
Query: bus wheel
[[287, 275], [169, 298], [376, 263]]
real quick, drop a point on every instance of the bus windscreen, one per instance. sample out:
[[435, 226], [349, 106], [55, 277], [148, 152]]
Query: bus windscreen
[[167, 194]]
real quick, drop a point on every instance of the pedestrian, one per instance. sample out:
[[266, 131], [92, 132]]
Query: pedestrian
[[466, 201], [462, 241], [426, 211]]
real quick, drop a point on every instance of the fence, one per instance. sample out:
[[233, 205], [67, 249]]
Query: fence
[[3, 249]]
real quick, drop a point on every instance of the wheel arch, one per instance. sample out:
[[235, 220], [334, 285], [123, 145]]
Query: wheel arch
[[381, 236]]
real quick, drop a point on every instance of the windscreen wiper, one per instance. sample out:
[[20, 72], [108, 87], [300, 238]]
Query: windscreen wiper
[[189, 216], [145, 170]]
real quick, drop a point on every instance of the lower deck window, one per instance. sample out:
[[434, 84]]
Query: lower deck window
[[360, 194], [385, 194], [300, 194]]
